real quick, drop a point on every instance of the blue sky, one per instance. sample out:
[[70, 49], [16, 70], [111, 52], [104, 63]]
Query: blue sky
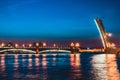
[[57, 19]]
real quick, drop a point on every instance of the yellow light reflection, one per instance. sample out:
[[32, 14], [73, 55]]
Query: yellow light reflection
[[37, 55], [77, 59], [16, 62], [3, 62], [75, 66], [112, 71], [98, 67], [44, 44], [72, 59], [37, 62], [30, 61], [44, 63]]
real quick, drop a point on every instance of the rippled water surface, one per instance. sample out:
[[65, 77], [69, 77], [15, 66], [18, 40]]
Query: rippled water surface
[[59, 66]]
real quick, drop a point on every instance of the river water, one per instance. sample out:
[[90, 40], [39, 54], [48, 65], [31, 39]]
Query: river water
[[59, 66]]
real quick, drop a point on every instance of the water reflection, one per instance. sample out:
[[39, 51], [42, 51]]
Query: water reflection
[[72, 60], [54, 59], [112, 69], [2, 63], [59, 66], [37, 62], [44, 63], [98, 69], [77, 60], [75, 66], [15, 62], [29, 61]]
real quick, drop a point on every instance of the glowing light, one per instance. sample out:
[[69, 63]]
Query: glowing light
[[16, 45], [109, 34], [77, 45], [44, 44], [44, 62], [30, 45], [23, 45], [72, 44], [54, 45], [2, 63], [113, 45], [37, 44], [2, 45]]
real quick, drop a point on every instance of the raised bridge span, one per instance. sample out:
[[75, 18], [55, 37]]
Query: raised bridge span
[[105, 40]]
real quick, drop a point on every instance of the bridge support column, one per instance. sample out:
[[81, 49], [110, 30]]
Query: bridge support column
[[74, 50], [37, 50]]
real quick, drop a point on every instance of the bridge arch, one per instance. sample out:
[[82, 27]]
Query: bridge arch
[[55, 50], [43, 51], [24, 50]]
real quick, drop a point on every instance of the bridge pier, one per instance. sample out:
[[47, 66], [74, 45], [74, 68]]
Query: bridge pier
[[112, 51], [37, 50], [74, 50]]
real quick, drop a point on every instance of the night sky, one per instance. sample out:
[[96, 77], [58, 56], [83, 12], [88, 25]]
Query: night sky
[[58, 19]]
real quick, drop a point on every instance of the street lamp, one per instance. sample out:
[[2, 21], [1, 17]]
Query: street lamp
[[16, 45], [30, 45], [2, 45], [109, 34], [54, 45], [77, 45], [44, 44], [37, 44], [23, 45], [72, 44]]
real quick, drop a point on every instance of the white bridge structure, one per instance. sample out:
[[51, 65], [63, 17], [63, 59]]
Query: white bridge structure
[[109, 49]]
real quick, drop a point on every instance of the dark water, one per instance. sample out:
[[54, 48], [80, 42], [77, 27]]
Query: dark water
[[60, 66]]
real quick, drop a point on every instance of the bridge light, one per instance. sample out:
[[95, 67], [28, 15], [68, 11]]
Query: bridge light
[[2, 45], [113, 45], [77, 45], [16, 45], [54, 45], [72, 44], [30, 45], [44, 44], [109, 34], [88, 48], [23, 45], [37, 44]]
